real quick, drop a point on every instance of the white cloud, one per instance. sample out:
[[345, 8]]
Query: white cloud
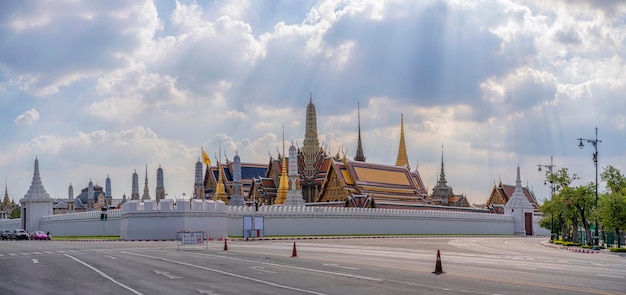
[[27, 117]]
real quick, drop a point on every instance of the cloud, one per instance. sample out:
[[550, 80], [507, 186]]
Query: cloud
[[27, 117], [51, 46]]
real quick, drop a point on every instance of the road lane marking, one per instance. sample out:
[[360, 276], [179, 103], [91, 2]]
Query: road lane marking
[[349, 275], [166, 274], [37, 253], [610, 276], [206, 292], [261, 269], [340, 266], [35, 260], [110, 257], [12, 254], [528, 268], [227, 273], [48, 252], [104, 275]]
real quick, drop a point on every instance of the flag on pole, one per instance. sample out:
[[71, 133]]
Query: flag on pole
[[206, 158]]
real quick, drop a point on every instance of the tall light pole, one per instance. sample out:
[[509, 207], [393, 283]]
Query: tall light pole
[[552, 191], [594, 142]]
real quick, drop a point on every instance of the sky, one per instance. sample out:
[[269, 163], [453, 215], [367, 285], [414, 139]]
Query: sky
[[104, 88]]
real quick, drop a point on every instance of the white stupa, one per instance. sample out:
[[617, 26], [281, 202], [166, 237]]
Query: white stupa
[[36, 203], [518, 205], [294, 196]]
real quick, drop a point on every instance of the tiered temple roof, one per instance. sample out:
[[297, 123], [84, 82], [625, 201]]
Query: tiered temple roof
[[502, 193], [387, 184]]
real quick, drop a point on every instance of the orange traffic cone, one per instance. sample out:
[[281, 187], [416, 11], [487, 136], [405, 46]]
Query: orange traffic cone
[[294, 253], [225, 245], [438, 268]]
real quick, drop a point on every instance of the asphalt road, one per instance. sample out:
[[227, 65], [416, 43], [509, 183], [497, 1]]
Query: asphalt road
[[322, 266]]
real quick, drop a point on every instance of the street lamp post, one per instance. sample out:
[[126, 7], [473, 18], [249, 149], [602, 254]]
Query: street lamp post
[[552, 191], [593, 142]]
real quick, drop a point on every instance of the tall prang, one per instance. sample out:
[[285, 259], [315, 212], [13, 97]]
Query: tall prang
[[402, 159], [360, 156], [90, 196], [198, 185], [135, 189], [311, 145], [108, 196], [160, 186], [36, 203], [236, 199], [146, 191]]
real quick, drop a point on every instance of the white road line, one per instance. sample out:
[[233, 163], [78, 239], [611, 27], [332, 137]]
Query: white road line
[[48, 252], [105, 275], [227, 273], [12, 254], [340, 266], [528, 268], [166, 274], [299, 268], [35, 260], [610, 276], [261, 269], [1, 255]]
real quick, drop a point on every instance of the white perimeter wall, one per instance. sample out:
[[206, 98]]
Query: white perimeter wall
[[140, 221], [10, 223], [296, 221], [82, 224]]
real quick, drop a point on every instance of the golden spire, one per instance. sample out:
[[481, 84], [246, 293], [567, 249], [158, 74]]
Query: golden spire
[[402, 159], [283, 187], [220, 192]]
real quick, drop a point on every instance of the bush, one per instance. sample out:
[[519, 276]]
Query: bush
[[586, 247], [617, 249], [558, 242], [571, 244]]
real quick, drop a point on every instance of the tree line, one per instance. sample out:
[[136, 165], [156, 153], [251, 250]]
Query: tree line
[[574, 207]]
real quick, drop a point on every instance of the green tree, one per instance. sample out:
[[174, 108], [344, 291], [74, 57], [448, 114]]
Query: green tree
[[612, 204], [559, 208], [16, 212], [582, 201]]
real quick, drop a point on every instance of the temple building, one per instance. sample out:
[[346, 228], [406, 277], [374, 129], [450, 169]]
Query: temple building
[[443, 194], [502, 193], [313, 162], [90, 198], [247, 173], [383, 186], [338, 181], [7, 205]]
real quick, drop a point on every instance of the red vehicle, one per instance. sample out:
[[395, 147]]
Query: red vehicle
[[39, 235]]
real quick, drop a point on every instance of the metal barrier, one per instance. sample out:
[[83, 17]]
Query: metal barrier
[[188, 238]]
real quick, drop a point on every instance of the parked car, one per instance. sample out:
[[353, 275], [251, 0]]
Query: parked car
[[5, 234], [20, 234], [39, 235]]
